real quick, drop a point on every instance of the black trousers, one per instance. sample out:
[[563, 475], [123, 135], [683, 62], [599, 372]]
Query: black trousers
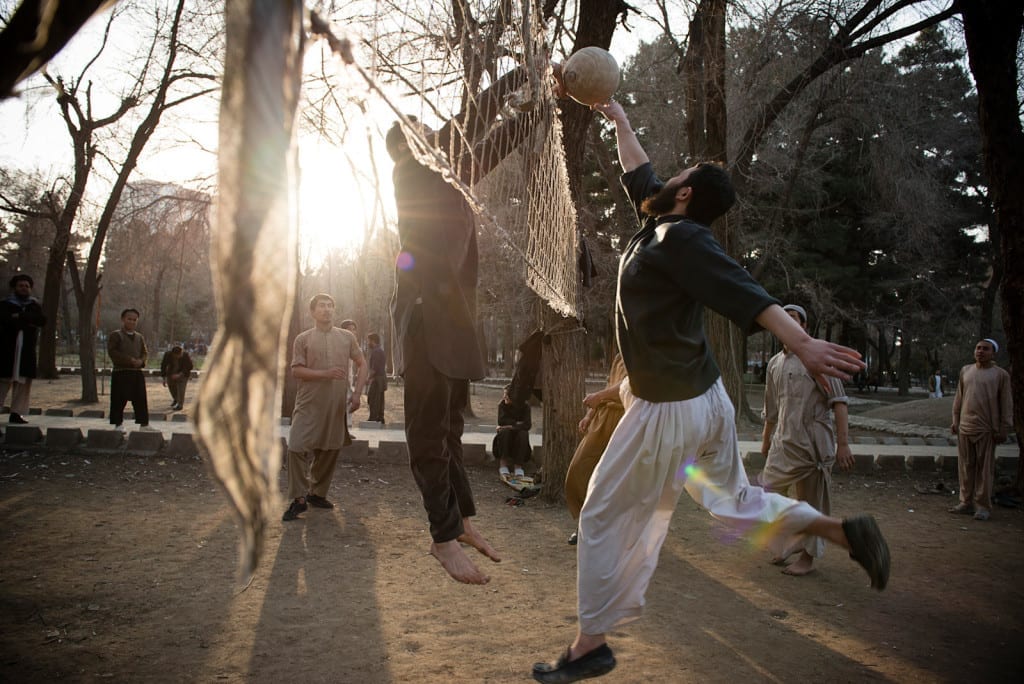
[[375, 398], [125, 386], [433, 432]]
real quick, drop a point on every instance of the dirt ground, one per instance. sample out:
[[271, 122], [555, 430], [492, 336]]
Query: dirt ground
[[122, 569]]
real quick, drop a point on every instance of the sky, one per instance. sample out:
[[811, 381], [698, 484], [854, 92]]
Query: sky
[[336, 188]]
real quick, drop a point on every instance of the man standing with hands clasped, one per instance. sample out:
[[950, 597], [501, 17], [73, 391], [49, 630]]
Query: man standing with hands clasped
[[128, 354], [319, 428], [982, 418]]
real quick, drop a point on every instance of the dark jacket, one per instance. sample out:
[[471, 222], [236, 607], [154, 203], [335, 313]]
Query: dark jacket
[[24, 317], [168, 366]]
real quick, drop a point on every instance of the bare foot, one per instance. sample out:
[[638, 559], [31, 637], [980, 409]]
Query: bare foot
[[456, 563], [475, 539], [804, 565]]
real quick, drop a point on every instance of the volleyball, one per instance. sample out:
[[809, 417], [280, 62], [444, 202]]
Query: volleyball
[[590, 76]]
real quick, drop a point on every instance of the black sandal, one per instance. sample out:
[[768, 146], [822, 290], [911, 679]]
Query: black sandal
[[595, 663]]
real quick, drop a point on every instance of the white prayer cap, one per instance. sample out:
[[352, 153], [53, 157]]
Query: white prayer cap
[[995, 345]]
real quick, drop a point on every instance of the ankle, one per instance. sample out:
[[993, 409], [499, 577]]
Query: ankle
[[584, 644]]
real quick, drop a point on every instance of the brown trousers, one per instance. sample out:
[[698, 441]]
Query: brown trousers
[[19, 394], [976, 464], [311, 472]]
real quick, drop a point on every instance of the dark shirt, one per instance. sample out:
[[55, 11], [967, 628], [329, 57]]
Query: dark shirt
[[668, 273], [516, 415], [169, 364], [436, 272], [377, 363]]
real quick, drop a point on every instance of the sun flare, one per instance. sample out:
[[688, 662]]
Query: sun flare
[[336, 200]]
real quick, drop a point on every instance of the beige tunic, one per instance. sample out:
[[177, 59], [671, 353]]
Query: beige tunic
[[318, 420], [805, 437], [983, 403]]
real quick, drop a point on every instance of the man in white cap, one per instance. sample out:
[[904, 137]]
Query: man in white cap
[[982, 418], [800, 442]]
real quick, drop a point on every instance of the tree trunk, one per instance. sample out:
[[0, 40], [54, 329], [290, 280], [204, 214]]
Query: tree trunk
[[299, 309], [992, 30], [883, 357], [562, 373], [991, 289], [904, 373], [87, 354], [563, 366], [54, 285], [155, 313]]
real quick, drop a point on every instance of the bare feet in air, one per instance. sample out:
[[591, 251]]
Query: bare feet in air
[[475, 539], [456, 563], [804, 565]]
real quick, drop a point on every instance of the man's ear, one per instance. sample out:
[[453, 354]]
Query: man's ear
[[684, 193]]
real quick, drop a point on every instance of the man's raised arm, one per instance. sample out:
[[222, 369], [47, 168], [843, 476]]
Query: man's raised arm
[[631, 154]]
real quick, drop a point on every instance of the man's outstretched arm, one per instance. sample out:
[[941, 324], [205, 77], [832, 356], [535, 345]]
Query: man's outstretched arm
[[631, 154], [818, 356]]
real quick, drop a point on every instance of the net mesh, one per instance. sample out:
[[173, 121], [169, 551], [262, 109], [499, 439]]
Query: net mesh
[[479, 74]]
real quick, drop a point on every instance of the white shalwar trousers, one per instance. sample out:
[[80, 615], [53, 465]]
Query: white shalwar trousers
[[657, 451]]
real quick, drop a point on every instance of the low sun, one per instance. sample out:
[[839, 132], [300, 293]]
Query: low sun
[[336, 198]]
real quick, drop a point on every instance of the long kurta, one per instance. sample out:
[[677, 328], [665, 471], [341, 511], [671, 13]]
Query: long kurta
[[318, 420], [602, 424], [982, 411], [803, 445], [983, 403]]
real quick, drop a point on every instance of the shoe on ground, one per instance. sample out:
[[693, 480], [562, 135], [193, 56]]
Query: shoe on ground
[[119, 427], [318, 501], [868, 547], [595, 663], [17, 419], [574, 539], [982, 514], [965, 509], [293, 511]]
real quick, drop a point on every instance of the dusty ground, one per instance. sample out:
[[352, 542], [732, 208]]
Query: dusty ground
[[123, 569]]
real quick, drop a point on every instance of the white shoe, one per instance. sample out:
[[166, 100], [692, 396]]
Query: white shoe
[[119, 427]]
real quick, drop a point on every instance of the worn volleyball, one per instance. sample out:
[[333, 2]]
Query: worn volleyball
[[590, 75]]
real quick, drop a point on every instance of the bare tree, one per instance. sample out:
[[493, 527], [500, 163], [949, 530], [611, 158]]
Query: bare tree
[[159, 85]]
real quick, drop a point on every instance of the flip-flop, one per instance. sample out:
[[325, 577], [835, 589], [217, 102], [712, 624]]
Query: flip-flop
[[595, 663]]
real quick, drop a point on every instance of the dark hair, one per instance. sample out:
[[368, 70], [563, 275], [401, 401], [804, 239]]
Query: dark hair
[[396, 137], [713, 193], [20, 277], [130, 310], [374, 337], [317, 297]]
